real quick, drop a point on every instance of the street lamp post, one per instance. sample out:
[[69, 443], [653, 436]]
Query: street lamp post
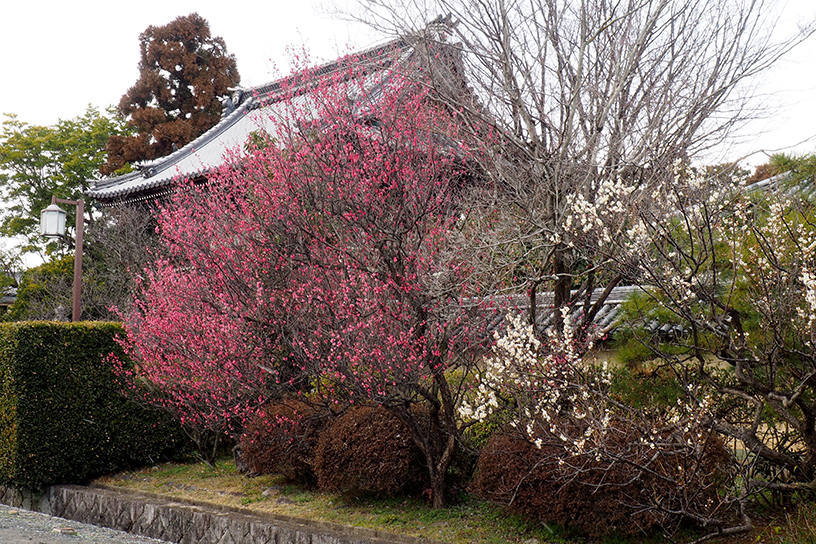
[[52, 225]]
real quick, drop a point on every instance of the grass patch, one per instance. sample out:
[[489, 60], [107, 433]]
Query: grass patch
[[794, 527], [469, 521]]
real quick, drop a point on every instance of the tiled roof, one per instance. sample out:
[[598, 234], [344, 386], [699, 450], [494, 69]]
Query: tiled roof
[[771, 183], [8, 296], [497, 308], [255, 112]]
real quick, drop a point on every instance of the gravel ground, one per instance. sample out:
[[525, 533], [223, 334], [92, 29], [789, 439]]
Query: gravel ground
[[18, 526]]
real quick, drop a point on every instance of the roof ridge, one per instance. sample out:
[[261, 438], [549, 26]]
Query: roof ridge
[[156, 166], [260, 96], [328, 67]]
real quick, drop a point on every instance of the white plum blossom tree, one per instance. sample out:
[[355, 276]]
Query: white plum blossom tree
[[573, 100], [730, 271]]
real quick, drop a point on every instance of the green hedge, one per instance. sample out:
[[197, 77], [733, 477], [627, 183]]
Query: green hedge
[[62, 417]]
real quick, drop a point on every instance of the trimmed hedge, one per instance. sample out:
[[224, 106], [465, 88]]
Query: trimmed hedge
[[62, 416], [368, 450], [513, 472], [283, 439]]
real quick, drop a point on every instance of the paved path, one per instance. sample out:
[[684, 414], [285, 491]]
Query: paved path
[[18, 526]]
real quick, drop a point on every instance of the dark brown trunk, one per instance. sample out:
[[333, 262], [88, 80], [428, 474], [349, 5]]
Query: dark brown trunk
[[593, 309], [438, 468], [436, 438], [440, 492], [561, 290], [533, 309]]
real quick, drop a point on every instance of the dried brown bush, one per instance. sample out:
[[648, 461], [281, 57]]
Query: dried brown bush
[[283, 440], [369, 450], [598, 495]]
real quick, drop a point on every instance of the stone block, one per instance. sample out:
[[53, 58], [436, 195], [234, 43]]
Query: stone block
[[184, 523]]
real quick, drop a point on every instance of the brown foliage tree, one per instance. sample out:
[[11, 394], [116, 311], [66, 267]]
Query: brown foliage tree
[[182, 73]]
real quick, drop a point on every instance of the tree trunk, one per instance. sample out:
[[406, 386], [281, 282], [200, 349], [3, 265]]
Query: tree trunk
[[438, 463], [561, 290], [439, 489], [436, 438], [533, 306]]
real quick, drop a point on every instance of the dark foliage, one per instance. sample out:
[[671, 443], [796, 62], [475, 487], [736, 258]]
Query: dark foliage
[[63, 418], [283, 440], [369, 450], [45, 293], [182, 73], [762, 172]]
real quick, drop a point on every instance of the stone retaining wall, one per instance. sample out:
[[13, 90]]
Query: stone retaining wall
[[187, 523]]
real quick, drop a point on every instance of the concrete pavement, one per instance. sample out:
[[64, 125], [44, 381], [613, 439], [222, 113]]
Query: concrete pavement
[[18, 526]]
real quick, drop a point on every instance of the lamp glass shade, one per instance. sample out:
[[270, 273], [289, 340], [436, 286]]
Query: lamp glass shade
[[52, 221]]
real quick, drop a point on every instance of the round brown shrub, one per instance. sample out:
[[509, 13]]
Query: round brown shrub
[[282, 440], [369, 450], [595, 496]]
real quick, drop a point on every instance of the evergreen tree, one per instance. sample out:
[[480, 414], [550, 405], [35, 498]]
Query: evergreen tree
[[38, 162]]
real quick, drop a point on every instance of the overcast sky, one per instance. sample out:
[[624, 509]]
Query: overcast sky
[[788, 91], [56, 57]]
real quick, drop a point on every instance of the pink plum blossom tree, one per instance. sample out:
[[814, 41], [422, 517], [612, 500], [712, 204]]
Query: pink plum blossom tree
[[316, 261]]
